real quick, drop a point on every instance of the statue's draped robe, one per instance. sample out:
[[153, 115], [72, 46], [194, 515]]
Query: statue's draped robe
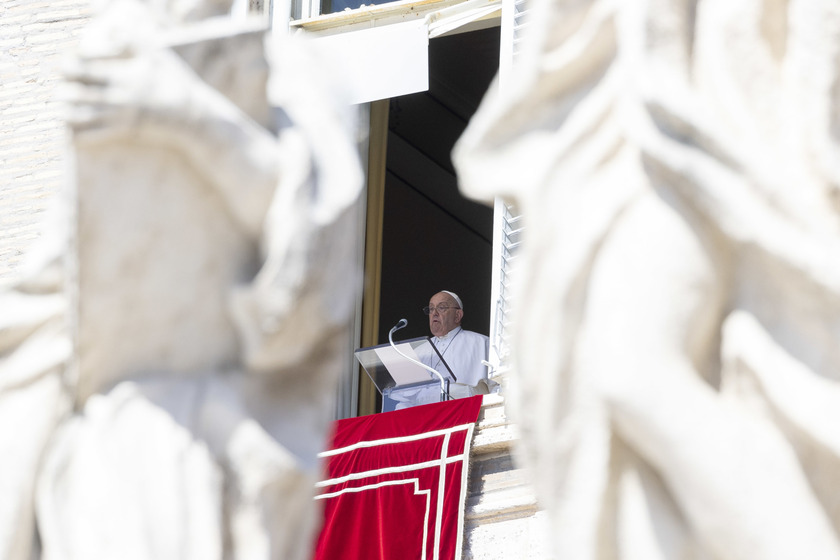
[[677, 290], [207, 330]]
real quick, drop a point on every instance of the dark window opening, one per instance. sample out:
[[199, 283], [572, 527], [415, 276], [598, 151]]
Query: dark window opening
[[433, 237]]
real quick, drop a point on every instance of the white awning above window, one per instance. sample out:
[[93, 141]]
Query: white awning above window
[[382, 62], [381, 54]]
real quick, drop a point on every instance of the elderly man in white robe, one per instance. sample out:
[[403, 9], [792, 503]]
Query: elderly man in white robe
[[463, 352]]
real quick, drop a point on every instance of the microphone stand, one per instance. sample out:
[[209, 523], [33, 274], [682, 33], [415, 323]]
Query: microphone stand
[[444, 383]]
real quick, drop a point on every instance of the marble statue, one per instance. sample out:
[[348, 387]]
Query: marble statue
[[172, 356], [676, 358]]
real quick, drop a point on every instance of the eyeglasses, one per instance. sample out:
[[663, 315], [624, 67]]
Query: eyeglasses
[[428, 310]]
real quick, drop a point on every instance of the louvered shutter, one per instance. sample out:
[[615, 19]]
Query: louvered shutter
[[508, 227]]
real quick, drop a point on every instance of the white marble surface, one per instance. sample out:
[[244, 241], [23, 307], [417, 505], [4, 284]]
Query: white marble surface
[[675, 352], [171, 358]]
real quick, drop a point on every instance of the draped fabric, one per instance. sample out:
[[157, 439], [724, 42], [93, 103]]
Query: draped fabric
[[395, 484], [676, 289]]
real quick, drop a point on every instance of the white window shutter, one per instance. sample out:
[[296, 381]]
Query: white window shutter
[[508, 221]]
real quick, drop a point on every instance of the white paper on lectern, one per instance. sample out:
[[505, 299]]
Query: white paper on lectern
[[403, 371]]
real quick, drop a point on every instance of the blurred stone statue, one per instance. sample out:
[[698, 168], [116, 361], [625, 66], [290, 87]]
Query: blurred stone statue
[[676, 357], [170, 360]]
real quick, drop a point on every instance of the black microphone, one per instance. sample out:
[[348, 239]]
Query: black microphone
[[403, 323]]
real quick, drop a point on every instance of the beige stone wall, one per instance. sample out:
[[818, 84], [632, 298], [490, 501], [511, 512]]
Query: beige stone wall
[[34, 36], [502, 517]]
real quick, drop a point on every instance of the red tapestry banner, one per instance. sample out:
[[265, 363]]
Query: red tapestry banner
[[396, 483]]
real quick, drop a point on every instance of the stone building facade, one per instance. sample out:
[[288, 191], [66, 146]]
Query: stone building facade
[[34, 36]]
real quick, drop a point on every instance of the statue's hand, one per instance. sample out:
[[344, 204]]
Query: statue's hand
[[153, 93], [154, 96]]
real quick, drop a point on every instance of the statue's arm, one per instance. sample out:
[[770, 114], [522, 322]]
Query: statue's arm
[[155, 97]]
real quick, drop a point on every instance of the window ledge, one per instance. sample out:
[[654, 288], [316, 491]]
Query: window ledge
[[402, 10]]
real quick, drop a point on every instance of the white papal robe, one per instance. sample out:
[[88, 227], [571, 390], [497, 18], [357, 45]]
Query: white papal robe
[[463, 351]]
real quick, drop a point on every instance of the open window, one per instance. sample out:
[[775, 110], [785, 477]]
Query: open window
[[421, 68], [424, 236]]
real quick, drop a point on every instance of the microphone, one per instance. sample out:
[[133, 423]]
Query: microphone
[[444, 383]]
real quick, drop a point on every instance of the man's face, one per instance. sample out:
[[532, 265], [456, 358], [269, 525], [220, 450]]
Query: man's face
[[441, 322]]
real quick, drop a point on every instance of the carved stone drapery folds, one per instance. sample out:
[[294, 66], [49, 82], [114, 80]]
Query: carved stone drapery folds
[[172, 360], [678, 310]]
